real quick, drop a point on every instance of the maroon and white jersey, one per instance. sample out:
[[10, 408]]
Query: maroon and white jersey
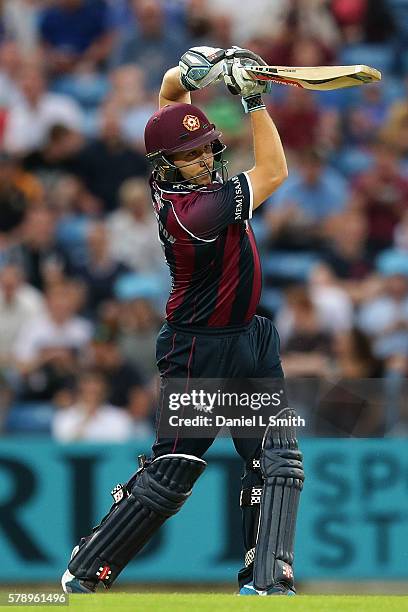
[[210, 249]]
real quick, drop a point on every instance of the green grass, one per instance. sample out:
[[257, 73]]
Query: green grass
[[199, 602]]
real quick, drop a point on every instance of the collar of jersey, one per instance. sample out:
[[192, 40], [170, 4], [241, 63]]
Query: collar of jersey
[[185, 187]]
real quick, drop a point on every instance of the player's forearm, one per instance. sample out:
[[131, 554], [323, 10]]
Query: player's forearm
[[171, 90], [270, 168], [268, 149]]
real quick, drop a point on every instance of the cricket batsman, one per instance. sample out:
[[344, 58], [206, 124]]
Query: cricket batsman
[[211, 330]]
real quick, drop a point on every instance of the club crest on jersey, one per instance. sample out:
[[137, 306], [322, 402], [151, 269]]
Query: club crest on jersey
[[191, 123]]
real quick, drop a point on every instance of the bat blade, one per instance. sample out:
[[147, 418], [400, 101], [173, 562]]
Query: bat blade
[[315, 77]]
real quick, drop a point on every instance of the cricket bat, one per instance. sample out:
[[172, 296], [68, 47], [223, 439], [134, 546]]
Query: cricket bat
[[315, 77]]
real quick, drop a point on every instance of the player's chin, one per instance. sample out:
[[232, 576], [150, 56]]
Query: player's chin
[[204, 180]]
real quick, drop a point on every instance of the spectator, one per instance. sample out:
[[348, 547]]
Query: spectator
[[10, 62], [382, 195], [395, 129], [352, 409], [199, 22], [333, 305], [100, 270], [253, 20], [133, 229], [127, 386], [306, 34], [42, 259], [307, 50], [151, 43], [106, 162], [354, 356], [364, 119], [306, 344], [72, 202], [401, 234], [349, 259], [91, 418], [138, 326], [297, 118], [368, 21], [13, 202], [222, 30], [130, 98], [76, 31], [19, 302], [307, 199], [59, 327], [55, 373], [385, 318], [58, 153], [30, 120], [13, 178], [20, 22]]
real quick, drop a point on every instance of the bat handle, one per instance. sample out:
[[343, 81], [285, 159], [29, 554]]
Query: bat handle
[[228, 76]]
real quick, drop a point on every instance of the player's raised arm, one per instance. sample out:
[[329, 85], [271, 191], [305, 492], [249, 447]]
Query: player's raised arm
[[171, 90], [270, 168], [198, 67]]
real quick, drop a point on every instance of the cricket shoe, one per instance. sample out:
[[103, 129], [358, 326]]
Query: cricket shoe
[[277, 589], [71, 584]]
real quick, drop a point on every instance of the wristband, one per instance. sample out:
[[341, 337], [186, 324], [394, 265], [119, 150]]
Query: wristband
[[252, 103]]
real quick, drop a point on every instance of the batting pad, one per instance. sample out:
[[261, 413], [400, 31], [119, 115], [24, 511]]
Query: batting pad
[[156, 492], [282, 470]]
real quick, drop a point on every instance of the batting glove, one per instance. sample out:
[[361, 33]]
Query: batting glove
[[201, 66], [239, 81]]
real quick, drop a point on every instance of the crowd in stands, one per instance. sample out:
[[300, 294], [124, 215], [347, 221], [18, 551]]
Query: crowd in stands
[[82, 280]]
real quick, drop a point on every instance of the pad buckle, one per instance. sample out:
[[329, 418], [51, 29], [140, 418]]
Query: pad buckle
[[256, 495], [119, 492]]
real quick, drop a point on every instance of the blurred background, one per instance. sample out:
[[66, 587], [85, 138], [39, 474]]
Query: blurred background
[[83, 285]]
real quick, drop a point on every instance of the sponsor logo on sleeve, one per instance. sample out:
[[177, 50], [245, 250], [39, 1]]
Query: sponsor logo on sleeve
[[239, 198]]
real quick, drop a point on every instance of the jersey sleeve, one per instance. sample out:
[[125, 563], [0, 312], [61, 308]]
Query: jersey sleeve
[[206, 214]]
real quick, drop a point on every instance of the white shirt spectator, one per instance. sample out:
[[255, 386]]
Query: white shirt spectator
[[25, 305], [253, 18], [135, 243], [334, 308], [266, 18], [377, 318], [27, 126], [107, 424], [43, 332]]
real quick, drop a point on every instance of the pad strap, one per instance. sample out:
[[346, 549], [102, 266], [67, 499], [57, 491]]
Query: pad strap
[[250, 496], [253, 464]]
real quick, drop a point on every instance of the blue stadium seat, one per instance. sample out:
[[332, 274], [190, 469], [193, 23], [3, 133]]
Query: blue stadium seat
[[271, 299], [352, 161], [89, 90], [377, 56], [289, 266], [30, 417]]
